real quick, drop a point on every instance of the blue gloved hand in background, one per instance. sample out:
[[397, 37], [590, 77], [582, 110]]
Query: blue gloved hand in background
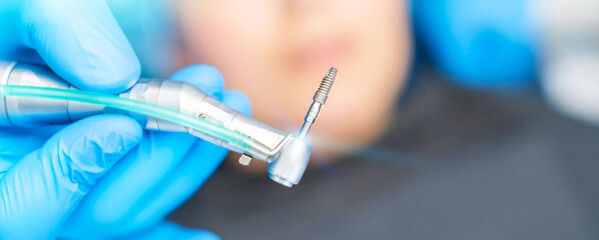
[[62, 182], [482, 44]]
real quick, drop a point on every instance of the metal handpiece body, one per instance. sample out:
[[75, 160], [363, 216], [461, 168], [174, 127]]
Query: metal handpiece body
[[286, 154]]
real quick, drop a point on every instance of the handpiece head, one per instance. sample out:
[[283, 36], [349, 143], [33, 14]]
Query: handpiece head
[[288, 166], [287, 155], [290, 163]]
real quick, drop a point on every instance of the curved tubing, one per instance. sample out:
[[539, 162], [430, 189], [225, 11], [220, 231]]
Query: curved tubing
[[233, 137]]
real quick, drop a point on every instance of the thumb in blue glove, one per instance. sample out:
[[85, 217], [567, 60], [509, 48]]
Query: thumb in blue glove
[[38, 193], [80, 40]]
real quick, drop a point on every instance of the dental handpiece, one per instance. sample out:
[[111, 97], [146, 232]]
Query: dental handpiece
[[287, 155]]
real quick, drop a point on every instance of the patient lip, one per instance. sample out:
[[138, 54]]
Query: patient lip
[[323, 51]]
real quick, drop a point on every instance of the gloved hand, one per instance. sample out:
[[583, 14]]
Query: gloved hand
[[45, 176], [133, 199], [40, 189], [482, 44]]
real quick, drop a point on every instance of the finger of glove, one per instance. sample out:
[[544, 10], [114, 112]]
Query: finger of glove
[[238, 101], [201, 161], [40, 191], [169, 230], [106, 208], [81, 41], [161, 152], [205, 77]]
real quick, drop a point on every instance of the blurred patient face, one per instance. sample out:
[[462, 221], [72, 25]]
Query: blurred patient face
[[278, 51]]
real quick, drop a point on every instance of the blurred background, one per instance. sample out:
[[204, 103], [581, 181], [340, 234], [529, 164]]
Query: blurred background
[[461, 119]]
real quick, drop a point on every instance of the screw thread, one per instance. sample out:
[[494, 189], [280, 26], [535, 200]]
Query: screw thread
[[319, 98], [325, 86]]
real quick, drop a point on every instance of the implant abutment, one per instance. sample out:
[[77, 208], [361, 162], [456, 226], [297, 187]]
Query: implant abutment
[[320, 97]]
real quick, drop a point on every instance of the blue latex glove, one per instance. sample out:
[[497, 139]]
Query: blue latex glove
[[40, 190], [80, 40], [156, 177], [44, 178]]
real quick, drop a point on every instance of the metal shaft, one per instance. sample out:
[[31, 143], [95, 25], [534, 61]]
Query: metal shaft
[[320, 97], [287, 155]]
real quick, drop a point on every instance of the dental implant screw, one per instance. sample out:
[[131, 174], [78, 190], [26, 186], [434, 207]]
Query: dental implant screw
[[320, 97]]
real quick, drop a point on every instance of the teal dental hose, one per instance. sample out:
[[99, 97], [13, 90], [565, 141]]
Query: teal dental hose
[[234, 138]]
